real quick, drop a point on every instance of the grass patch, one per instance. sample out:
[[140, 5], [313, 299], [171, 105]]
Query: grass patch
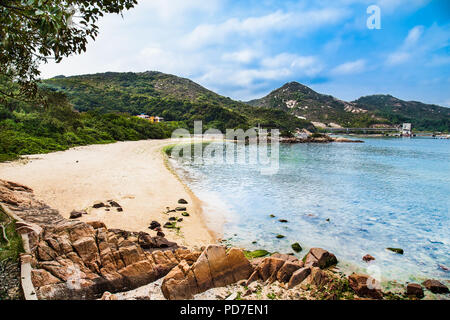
[[13, 249]]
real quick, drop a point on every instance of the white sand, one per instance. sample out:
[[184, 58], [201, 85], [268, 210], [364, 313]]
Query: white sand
[[132, 173]]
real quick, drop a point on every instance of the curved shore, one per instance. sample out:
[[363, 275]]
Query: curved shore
[[135, 174]]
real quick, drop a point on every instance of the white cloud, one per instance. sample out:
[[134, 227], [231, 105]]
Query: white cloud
[[351, 67], [241, 56], [413, 36], [403, 54], [209, 34]]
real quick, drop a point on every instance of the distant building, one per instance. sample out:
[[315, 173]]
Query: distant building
[[406, 129], [152, 119]]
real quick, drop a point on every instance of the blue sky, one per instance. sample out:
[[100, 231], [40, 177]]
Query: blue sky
[[245, 49]]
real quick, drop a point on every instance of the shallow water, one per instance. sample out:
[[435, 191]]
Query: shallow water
[[386, 192]]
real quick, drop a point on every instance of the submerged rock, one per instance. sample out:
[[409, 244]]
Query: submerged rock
[[396, 250], [280, 236], [256, 254], [283, 220], [368, 258], [296, 247]]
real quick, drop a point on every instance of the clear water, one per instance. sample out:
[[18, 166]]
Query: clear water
[[387, 192]]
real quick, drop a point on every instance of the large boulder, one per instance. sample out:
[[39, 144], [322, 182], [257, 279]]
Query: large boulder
[[415, 290], [435, 286], [318, 257], [365, 286], [214, 268], [298, 277]]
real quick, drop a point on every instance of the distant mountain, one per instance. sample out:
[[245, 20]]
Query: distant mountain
[[369, 111], [169, 96], [422, 116]]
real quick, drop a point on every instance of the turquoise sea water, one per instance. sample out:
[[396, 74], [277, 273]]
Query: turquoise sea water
[[386, 192]]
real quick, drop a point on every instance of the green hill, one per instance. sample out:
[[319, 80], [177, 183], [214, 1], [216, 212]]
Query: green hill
[[169, 96], [304, 102], [423, 116]]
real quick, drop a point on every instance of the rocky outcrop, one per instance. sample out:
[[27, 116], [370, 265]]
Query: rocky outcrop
[[365, 286], [318, 257], [368, 258], [214, 268], [76, 260]]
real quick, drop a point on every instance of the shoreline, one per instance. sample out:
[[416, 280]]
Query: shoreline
[[136, 174]]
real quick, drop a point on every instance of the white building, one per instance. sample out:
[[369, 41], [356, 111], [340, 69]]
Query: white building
[[406, 129]]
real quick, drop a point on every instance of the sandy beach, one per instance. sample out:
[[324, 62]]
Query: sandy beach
[[134, 174]]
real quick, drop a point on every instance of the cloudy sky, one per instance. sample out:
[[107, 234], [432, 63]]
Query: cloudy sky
[[245, 49]]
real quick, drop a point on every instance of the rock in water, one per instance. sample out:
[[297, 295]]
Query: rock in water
[[119, 209], [296, 247], [414, 289], [280, 236], [75, 214], [365, 286], [185, 214], [396, 250], [182, 201], [180, 209], [283, 220], [368, 258], [318, 257], [435, 286]]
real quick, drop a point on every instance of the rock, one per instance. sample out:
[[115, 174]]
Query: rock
[[180, 220], [365, 286], [154, 225], [170, 225], [283, 220], [96, 224], [182, 201], [287, 257], [317, 277], [396, 250], [185, 214], [298, 277], [146, 241], [286, 271], [296, 247], [108, 296], [119, 209], [272, 216], [320, 258], [76, 214], [172, 219], [114, 204], [98, 205], [414, 289], [180, 209], [160, 234], [280, 236], [435, 286], [368, 258], [443, 268], [267, 268], [214, 268]]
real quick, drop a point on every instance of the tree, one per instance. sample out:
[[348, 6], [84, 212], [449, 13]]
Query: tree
[[34, 31]]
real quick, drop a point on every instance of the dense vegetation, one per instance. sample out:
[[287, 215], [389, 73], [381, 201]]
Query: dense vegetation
[[365, 112], [36, 127], [424, 117], [174, 98]]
